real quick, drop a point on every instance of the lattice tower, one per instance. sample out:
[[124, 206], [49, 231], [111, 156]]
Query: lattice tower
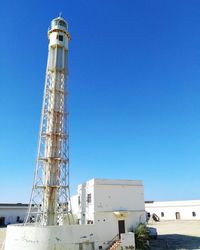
[[50, 198]]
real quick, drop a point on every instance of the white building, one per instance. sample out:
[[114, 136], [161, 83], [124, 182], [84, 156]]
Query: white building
[[11, 213], [174, 210], [116, 205]]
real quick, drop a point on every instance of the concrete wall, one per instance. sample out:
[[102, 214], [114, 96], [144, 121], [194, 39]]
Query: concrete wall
[[70, 237], [170, 208]]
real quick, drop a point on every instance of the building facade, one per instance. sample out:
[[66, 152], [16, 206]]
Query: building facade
[[11, 213], [174, 210], [116, 205]]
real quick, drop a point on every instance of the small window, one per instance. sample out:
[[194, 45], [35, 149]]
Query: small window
[[162, 214], [89, 198], [60, 38], [194, 214], [62, 23], [100, 247], [2, 221], [79, 200]]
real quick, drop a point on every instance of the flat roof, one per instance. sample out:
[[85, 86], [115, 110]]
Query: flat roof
[[14, 205], [123, 182], [172, 203]]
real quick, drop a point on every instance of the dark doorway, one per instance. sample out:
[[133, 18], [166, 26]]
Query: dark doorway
[[178, 216], [2, 221], [121, 226]]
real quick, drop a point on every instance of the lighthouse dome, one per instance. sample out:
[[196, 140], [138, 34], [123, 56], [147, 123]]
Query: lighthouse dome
[[59, 23]]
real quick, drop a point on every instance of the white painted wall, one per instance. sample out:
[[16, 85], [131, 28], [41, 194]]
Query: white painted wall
[[119, 200], [48, 238], [116, 195], [56, 237], [169, 208]]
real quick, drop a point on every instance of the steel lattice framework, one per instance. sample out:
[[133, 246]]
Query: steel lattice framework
[[50, 193]]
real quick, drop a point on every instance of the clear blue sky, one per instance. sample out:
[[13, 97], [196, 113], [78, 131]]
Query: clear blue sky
[[134, 93]]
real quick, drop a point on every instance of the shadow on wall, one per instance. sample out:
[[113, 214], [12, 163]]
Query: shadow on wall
[[175, 241]]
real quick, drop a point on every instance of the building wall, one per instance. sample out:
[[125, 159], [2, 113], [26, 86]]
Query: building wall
[[111, 201], [75, 207], [115, 195], [119, 200], [167, 210], [11, 212], [83, 209]]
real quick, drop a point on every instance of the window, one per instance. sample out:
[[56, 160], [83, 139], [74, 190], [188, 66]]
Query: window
[[100, 247], [178, 215], [162, 214], [59, 22], [89, 198], [2, 221], [62, 23], [194, 214], [79, 200], [60, 38]]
